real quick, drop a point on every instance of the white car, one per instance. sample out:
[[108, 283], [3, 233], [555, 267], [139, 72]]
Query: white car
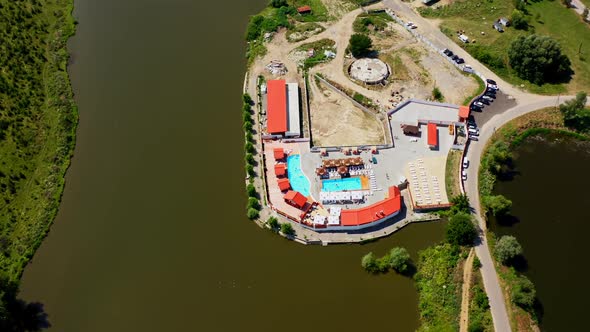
[[493, 86], [488, 98], [465, 162], [464, 175], [479, 104]]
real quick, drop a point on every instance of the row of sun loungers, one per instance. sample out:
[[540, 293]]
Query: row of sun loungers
[[422, 185]]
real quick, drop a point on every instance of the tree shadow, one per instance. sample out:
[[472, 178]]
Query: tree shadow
[[519, 263], [23, 316], [507, 220], [538, 310], [410, 271]]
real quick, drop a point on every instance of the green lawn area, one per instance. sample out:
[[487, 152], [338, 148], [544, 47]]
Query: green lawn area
[[545, 18], [452, 173]]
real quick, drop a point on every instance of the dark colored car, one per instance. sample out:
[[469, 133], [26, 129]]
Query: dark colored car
[[447, 52], [460, 61], [491, 95], [474, 108], [454, 57], [484, 101], [490, 81], [491, 92]]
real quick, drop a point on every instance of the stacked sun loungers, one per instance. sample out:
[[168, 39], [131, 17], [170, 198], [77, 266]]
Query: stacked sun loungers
[[426, 190]]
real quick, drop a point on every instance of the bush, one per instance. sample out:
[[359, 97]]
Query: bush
[[360, 44], [575, 114], [538, 59], [278, 3], [519, 21], [250, 170], [399, 259], [476, 263], [437, 95], [287, 229], [497, 205], [460, 204], [461, 230], [249, 147], [369, 263], [247, 126], [252, 214], [507, 248], [523, 292], [247, 100], [249, 159]]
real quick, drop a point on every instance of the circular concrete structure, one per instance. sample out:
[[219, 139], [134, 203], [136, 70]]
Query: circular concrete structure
[[370, 71]]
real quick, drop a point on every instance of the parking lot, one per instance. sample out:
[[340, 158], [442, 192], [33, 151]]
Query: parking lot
[[501, 104]]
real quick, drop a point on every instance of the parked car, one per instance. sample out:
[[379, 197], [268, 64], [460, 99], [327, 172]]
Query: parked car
[[490, 94], [460, 61], [447, 52], [490, 81], [478, 104], [474, 138], [474, 108], [454, 57], [486, 97], [450, 53], [493, 87], [473, 132], [484, 101], [464, 175], [465, 162]]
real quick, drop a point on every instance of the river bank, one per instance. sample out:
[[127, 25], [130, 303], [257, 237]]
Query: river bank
[[38, 135], [498, 165]]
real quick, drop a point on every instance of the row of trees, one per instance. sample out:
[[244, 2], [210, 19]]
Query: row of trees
[[253, 207], [398, 259], [285, 228]]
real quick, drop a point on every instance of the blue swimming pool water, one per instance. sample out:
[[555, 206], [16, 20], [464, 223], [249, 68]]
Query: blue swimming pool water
[[299, 181], [342, 184]]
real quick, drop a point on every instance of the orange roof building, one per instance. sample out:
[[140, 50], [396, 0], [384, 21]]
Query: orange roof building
[[284, 184], [280, 169], [279, 153], [463, 112], [432, 135], [276, 106], [295, 198], [304, 9], [380, 210]]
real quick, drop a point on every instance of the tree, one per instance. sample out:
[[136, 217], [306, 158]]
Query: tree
[[538, 59], [498, 205], [523, 292], [399, 259], [253, 203], [250, 170], [359, 44], [575, 114], [247, 99], [252, 214], [461, 230], [437, 95], [369, 263], [249, 147], [520, 5], [507, 248], [460, 204], [278, 3], [519, 21], [251, 190], [287, 229], [273, 223]]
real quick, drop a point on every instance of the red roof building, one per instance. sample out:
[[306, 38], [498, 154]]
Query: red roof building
[[387, 207], [284, 184], [304, 9], [279, 153], [432, 135], [295, 198], [280, 169], [276, 108], [463, 112]]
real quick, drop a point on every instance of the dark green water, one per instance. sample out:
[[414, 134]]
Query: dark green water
[[550, 200], [151, 234]]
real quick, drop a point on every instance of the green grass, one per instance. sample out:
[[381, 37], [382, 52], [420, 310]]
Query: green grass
[[438, 280], [301, 29], [480, 316], [545, 17], [452, 173], [319, 12], [480, 88], [38, 121], [378, 20]]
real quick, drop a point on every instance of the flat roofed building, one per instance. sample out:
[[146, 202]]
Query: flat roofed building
[[415, 112], [283, 109], [294, 122], [432, 135]]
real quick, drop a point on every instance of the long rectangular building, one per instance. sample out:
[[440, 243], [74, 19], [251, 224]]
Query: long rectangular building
[[283, 109]]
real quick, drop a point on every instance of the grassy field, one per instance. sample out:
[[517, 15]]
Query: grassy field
[[545, 18], [452, 173], [439, 280], [37, 125]]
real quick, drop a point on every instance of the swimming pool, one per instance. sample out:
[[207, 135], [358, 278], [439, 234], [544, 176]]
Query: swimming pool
[[342, 184], [299, 181]]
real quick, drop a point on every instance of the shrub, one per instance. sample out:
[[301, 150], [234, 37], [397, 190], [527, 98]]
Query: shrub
[[250, 170], [437, 95], [247, 126], [247, 99], [523, 292], [460, 204], [507, 248], [497, 205], [278, 3], [249, 147], [252, 214], [399, 259], [538, 59], [360, 44], [519, 21], [461, 230], [369, 263], [476, 263], [249, 158]]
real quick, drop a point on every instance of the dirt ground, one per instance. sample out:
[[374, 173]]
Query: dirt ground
[[337, 122]]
